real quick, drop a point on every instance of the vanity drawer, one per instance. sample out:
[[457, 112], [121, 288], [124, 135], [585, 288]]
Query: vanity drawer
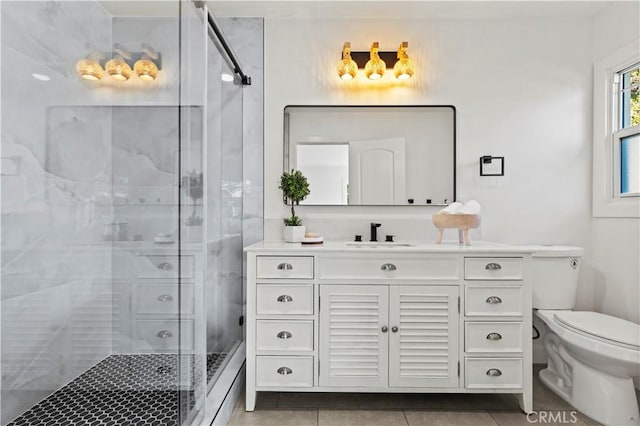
[[300, 267], [284, 299], [493, 337], [163, 299], [381, 266], [164, 266], [493, 301], [284, 371], [278, 335], [493, 268], [162, 335], [493, 373]]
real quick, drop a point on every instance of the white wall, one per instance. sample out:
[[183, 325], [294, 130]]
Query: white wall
[[616, 241], [522, 88]]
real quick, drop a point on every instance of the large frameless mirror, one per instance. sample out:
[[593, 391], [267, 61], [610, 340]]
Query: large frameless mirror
[[373, 155]]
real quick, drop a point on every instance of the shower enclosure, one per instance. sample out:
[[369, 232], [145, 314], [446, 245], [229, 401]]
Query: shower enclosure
[[123, 220]]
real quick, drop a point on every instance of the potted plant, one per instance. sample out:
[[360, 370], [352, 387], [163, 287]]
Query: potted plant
[[295, 188]]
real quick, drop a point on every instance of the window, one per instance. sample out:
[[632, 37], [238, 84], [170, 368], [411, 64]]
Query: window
[[616, 134], [626, 138]]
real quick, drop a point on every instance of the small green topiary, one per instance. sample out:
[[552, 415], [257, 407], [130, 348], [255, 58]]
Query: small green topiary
[[295, 188]]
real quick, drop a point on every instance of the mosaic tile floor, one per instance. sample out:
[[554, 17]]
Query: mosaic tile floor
[[120, 390]]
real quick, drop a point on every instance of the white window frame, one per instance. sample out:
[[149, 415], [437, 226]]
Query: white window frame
[[607, 200]]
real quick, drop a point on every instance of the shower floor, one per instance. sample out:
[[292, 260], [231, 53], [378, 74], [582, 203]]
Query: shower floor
[[119, 390]]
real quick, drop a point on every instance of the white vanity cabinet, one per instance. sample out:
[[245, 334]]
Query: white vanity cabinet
[[420, 318]]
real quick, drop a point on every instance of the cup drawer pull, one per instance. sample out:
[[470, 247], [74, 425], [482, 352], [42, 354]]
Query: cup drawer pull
[[493, 300], [165, 266], [284, 267], [388, 267], [284, 335], [494, 372], [493, 266], [285, 371], [494, 336], [285, 298], [165, 298], [164, 334]]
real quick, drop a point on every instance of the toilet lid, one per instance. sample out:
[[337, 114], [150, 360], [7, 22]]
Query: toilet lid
[[615, 330]]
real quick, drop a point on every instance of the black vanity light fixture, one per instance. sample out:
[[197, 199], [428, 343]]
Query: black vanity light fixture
[[374, 62], [491, 166]]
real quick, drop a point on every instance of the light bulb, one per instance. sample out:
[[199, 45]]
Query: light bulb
[[146, 69], [404, 68], [347, 68], [89, 69], [375, 67], [118, 69]]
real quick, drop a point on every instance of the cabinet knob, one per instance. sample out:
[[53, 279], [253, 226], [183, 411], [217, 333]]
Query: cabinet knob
[[494, 372], [284, 267], [494, 336], [285, 371], [164, 334], [165, 298], [394, 329], [285, 298], [493, 300], [388, 267], [284, 335], [165, 266], [384, 328], [493, 266]]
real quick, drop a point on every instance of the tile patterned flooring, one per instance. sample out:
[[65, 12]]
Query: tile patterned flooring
[[358, 409]]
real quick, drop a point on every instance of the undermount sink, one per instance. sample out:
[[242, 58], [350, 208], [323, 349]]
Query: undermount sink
[[364, 244]]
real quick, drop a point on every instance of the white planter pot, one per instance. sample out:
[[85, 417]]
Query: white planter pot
[[294, 234]]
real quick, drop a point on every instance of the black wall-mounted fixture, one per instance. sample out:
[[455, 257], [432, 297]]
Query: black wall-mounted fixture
[[491, 166]]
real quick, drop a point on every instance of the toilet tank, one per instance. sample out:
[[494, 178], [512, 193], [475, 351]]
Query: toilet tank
[[555, 276]]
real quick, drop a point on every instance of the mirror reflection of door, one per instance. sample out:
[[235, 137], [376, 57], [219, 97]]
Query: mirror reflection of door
[[326, 167], [377, 171]]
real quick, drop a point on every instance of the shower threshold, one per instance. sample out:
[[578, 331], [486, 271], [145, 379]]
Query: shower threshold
[[127, 389]]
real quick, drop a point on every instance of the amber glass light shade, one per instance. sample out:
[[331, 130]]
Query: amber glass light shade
[[146, 69], [118, 69], [404, 68], [375, 67], [89, 69], [347, 68]]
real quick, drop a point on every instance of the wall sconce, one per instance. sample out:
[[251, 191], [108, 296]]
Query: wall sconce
[[491, 166], [122, 64], [375, 62], [375, 67], [347, 68], [89, 68]]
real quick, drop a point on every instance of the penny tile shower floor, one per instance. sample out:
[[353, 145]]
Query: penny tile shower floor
[[119, 390]]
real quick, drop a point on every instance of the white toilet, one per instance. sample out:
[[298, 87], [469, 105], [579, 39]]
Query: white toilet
[[592, 357]]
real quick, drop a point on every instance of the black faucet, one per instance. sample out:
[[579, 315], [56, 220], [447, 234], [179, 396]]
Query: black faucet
[[374, 231]]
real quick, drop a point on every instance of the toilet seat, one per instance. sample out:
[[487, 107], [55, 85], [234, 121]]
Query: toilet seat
[[614, 331]]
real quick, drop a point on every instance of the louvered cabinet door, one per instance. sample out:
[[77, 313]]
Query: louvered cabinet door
[[423, 350], [353, 347]]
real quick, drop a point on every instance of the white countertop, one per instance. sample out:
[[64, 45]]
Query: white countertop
[[398, 246]]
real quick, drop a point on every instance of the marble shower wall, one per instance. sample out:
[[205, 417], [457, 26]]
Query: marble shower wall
[[56, 191]]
